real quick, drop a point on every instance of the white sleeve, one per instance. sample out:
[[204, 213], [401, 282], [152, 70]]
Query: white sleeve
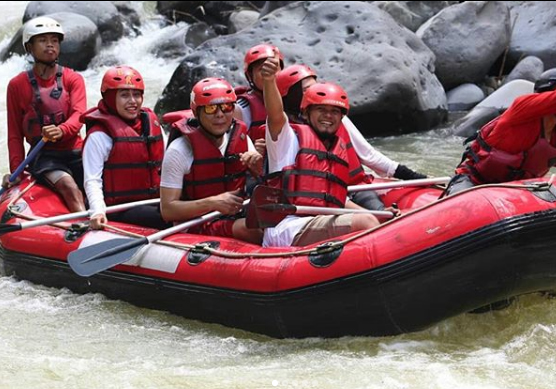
[[245, 111], [367, 154], [250, 145], [282, 152], [95, 153], [176, 163]]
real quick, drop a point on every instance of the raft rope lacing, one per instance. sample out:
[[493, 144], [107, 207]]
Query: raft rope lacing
[[28, 217], [301, 252]]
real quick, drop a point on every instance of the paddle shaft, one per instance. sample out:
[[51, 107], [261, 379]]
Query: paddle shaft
[[40, 144], [93, 259], [399, 184], [76, 215], [338, 211]]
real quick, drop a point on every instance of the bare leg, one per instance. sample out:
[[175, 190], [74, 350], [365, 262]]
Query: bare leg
[[71, 194], [251, 235], [361, 221]]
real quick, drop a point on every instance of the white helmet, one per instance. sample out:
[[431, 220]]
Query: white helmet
[[41, 25]]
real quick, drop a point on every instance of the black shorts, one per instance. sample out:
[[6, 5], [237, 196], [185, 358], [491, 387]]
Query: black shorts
[[143, 215], [50, 160]]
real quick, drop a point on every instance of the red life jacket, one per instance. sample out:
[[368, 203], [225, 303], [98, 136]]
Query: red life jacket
[[212, 173], [357, 175], [485, 164], [49, 106], [132, 171], [258, 112], [319, 176]]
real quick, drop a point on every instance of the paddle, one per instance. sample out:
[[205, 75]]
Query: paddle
[[269, 206], [101, 256], [399, 184], [5, 227], [40, 144]]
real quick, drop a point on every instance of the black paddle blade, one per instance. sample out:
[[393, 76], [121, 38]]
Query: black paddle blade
[[93, 259], [258, 213], [5, 228]]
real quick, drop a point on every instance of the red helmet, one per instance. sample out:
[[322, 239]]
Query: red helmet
[[258, 52], [122, 77], [291, 75], [211, 91], [325, 93]]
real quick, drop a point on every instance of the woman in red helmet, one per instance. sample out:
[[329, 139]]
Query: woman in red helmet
[[310, 162], [206, 162], [46, 102], [123, 151]]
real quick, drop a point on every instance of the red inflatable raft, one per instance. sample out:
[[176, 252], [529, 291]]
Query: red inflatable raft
[[439, 259]]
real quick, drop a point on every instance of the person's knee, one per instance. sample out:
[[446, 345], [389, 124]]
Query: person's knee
[[251, 235], [363, 222], [66, 184]]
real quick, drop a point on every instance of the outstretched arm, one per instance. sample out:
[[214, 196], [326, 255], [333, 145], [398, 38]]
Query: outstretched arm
[[276, 118]]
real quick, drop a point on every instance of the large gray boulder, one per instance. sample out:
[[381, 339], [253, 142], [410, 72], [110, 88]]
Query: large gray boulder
[[80, 45], [387, 71], [240, 20], [529, 68], [130, 14], [412, 14], [467, 39], [104, 14], [215, 13], [271, 6], [464, 97], [534, 31], [491, 107]]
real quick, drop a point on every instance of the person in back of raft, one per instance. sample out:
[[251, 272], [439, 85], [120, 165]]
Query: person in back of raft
[[123, 151], [206, 162], [250, 107], [292, 82], [312, 160], [47, 101], [519, 144]]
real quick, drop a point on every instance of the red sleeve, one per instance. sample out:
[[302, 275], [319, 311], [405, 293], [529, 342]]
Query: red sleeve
[[14, 101], [531, 107], [518, 128], [74, 84]]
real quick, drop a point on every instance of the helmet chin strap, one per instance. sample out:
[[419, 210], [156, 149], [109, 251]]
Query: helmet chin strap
[[253, 86]]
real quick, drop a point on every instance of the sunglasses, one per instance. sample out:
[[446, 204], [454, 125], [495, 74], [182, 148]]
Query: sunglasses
[[224, 107]]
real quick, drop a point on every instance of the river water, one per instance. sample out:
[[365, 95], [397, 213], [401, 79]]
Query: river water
[[52, 338]]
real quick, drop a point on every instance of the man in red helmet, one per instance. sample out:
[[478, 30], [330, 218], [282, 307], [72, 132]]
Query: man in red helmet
[[310, 162], [206, 162], [123, 151], [292, 82], [46, 102], [519, 144]]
